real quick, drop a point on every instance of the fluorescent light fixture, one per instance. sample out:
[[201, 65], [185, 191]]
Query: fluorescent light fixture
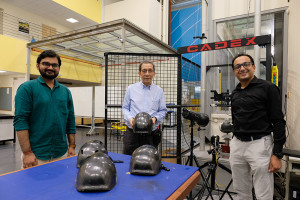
[[2, 71], [72, 20]]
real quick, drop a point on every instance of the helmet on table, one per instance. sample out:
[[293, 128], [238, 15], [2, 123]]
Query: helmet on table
[[88, 149], [97, 173], [145, 160]]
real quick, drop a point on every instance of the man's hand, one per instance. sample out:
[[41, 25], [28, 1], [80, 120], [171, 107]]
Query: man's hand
[[131, 120], [71, 151], [275, 164], [29, 160], [153, 120]]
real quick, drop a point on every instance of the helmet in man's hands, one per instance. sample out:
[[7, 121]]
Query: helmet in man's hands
[[142, 124]]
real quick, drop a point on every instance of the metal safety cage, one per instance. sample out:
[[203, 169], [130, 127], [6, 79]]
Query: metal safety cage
[[121, 70]]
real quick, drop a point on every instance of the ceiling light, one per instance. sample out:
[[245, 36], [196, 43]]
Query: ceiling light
[[2, 71], [72, 20]]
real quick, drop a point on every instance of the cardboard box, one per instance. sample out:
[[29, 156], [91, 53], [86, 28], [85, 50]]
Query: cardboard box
[[78, 120], [88, 121], [170, 152]]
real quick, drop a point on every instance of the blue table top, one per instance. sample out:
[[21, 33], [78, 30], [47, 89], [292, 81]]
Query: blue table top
[[56, 180]]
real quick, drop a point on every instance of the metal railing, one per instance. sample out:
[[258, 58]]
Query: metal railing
[[23, 29]]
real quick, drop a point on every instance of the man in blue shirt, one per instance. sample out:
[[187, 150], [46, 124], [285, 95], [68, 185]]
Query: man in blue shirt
[[44, 115], [143, 96]]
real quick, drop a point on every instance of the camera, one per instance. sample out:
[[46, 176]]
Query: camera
[[200, 118]]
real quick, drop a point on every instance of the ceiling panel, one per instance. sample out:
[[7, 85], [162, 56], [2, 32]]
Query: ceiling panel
[[54, 11]]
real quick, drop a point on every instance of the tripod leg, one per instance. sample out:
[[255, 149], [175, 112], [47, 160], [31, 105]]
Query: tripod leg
[[206, 184], [227, 187], [190, 160], [201, 192], [226, 190], [203, 188], [196, 161], [187, 161], [225, 168]]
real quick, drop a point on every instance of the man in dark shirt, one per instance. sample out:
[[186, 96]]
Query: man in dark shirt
[[256, 116]]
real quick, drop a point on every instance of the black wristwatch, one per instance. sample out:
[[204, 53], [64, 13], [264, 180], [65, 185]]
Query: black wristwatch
[[278, 155]]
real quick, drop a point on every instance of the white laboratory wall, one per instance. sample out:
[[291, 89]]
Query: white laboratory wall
[[146, 14], [231, 8], [222, 9], [293, 76], [82, 99]]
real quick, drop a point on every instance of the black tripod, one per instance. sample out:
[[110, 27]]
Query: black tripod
[[211, 174], [192, 156], [212, 166]]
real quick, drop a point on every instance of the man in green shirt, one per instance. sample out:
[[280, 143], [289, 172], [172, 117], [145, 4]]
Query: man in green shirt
[[44, 115]]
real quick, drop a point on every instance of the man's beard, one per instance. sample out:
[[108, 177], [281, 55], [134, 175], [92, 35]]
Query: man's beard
[[48, 76]]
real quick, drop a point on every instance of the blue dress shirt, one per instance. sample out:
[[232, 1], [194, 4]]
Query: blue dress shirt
[[139, 98]]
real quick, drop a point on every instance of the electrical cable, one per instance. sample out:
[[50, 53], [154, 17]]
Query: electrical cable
[[215, 149], [248, 19], [184, 135]]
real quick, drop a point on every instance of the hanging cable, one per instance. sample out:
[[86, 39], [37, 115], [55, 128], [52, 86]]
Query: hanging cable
[[215, 149], [248, 19]]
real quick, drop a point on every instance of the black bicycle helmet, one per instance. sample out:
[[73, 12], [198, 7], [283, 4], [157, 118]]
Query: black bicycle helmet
[[226, 127], [145, 160], [88, 149], [142, 123], [97, 173]]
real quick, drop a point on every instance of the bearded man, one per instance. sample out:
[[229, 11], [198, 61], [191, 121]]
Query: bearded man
[[44, 115]]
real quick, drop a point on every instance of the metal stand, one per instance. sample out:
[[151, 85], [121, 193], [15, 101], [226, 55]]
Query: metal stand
[[193, 157], [211, 174], [92, 131]]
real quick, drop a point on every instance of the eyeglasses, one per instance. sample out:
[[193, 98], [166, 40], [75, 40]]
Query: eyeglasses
[[149, 71], [245, 65], [47, 64]]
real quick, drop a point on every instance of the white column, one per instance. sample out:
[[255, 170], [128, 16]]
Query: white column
[[203, 71], [257, 26]]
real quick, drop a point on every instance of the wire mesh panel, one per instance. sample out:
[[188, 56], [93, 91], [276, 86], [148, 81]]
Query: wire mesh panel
[[121, 70], [191, 89]]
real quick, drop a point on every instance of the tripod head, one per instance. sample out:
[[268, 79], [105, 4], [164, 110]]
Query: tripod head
[[215, 139], [215, 142]]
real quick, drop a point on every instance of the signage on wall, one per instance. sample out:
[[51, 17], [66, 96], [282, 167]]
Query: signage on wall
[[24, 27], [257, 40]]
